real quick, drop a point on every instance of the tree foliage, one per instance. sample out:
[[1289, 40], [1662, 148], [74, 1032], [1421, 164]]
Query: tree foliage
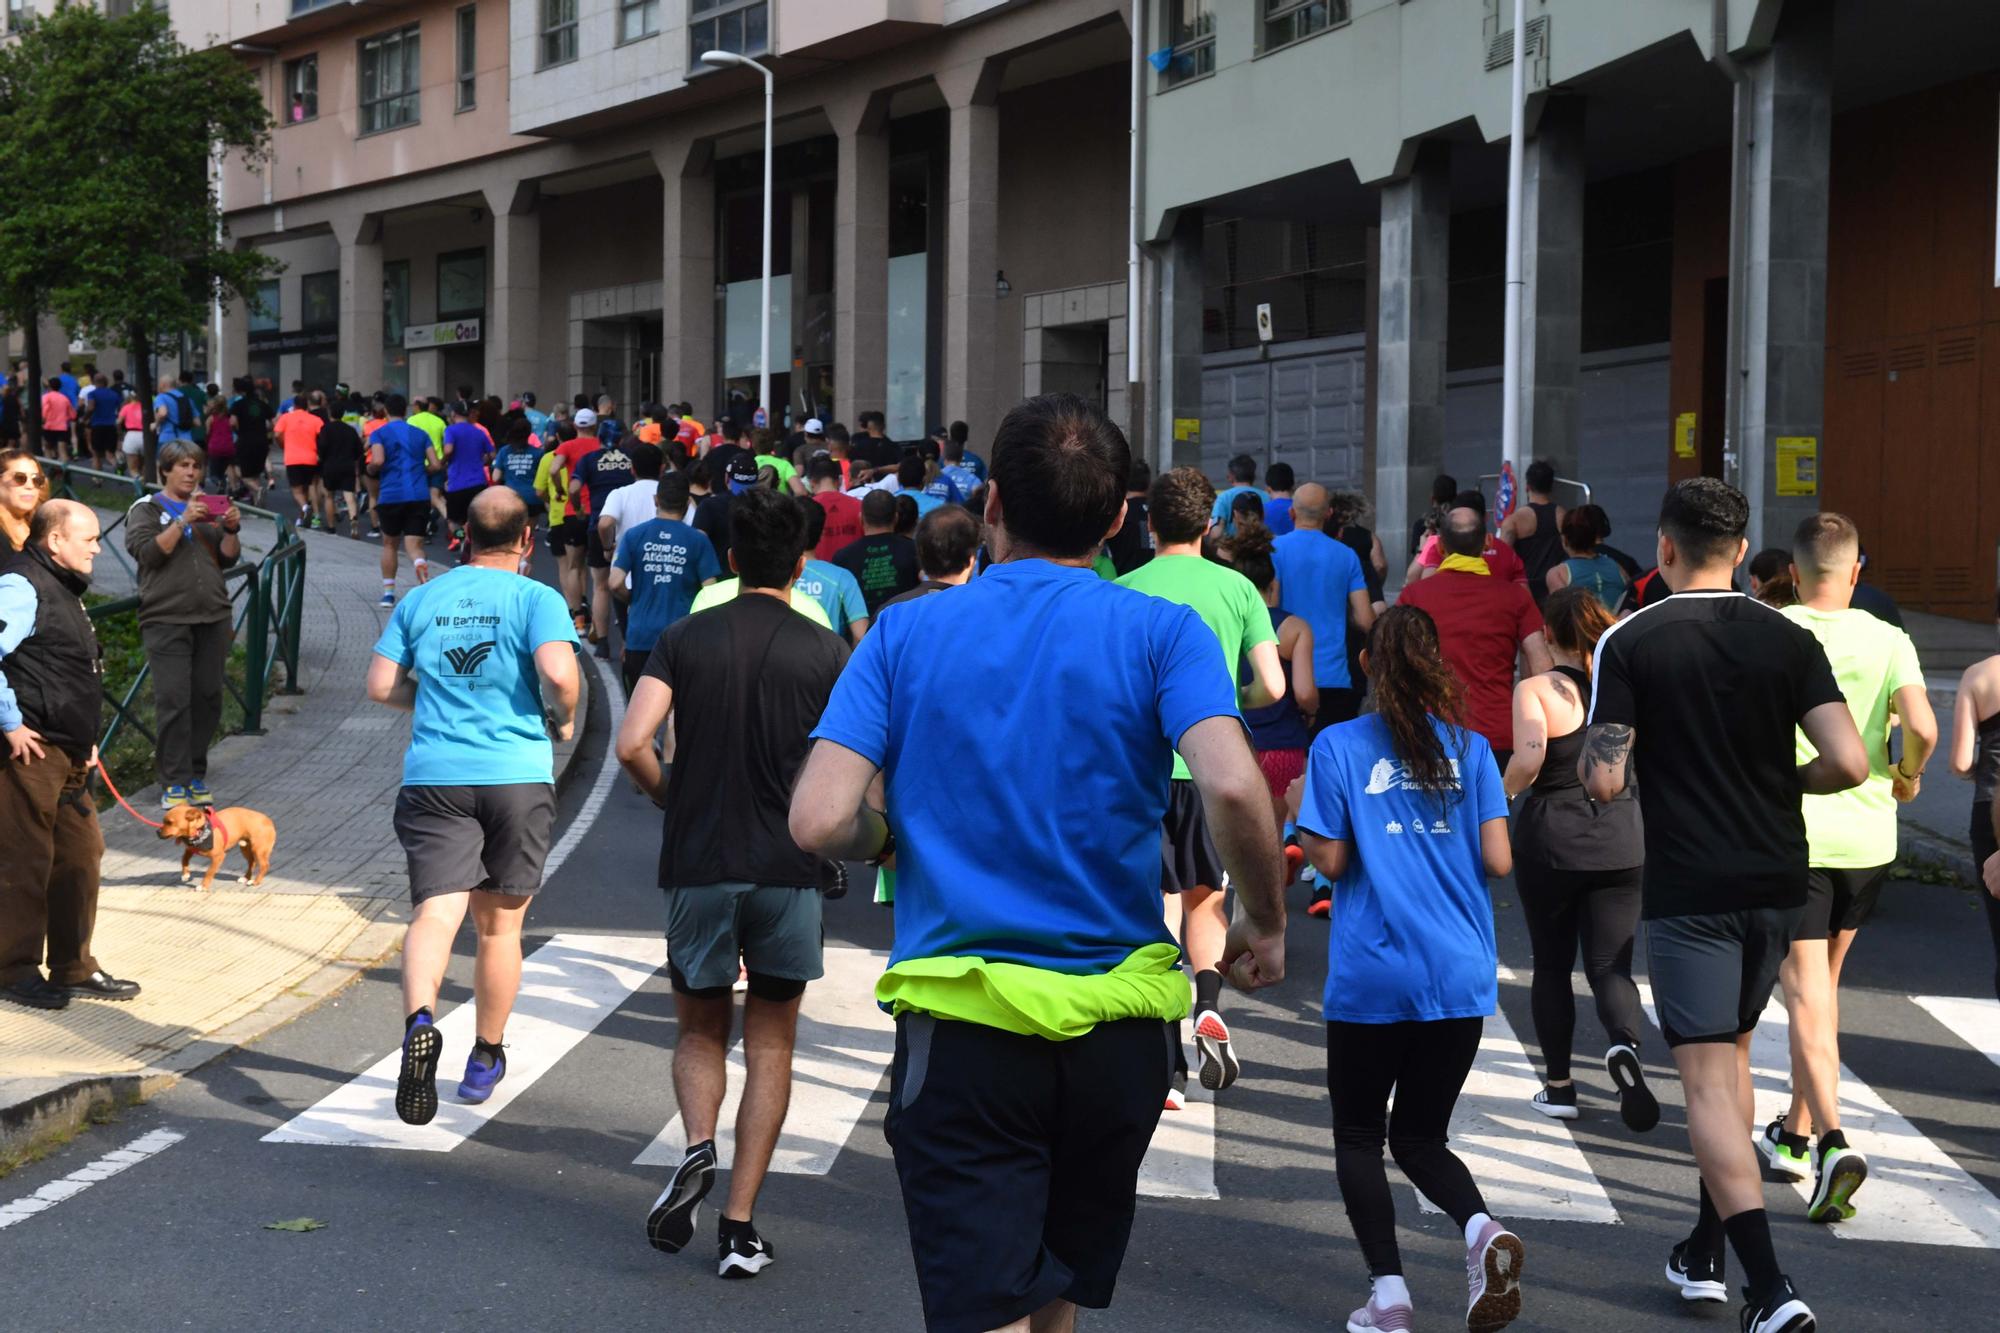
[[107, 127]]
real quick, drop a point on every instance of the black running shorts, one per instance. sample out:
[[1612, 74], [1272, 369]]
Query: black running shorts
[[404, 518], [300, 476], [1188, 858], [1712, 975], [458, 504], [1019, 1161], [1838, 900], [594, 551], [566, 535], [491, 838]]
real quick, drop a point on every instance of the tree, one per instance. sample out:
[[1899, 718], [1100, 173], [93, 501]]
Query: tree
[[128, 246]]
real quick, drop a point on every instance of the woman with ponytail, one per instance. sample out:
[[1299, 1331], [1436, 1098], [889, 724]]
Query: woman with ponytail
[[1578, 867], [1402, 811]]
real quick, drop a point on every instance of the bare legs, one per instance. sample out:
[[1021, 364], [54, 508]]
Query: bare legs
[[701, 1078], [497, 970]]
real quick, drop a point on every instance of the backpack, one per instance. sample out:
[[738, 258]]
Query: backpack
[[183, 411]]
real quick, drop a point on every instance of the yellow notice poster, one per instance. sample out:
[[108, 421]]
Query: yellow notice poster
[[1187, 428], [1684, 435], [1798, 464]]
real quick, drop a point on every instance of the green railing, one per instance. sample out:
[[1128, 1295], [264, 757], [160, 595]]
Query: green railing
[[267, 594]]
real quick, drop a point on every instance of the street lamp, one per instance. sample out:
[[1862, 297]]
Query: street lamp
[[729, 60]]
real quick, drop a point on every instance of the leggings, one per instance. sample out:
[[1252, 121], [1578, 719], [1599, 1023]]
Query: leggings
[[1983, 847], [1425, 1064], [1597, 910]]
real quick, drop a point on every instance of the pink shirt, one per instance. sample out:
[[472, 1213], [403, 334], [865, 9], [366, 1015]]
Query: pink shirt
[[56, 410], [132, 416]]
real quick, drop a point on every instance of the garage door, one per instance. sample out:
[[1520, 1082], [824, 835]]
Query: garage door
[[1307, 411]]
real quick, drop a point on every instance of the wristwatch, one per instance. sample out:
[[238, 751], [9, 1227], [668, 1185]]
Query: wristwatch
[[888, 848]]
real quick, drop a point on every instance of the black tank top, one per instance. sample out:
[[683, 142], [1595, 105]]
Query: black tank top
[[1986, 759], [1541, 552], [1559, 826]]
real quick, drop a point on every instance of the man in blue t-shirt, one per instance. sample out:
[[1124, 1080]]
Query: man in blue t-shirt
[[400, 455], [837, 591], [484, 659], [467, 450], [659, 566], [1035, 931], [1320, 581], [168, 407], [1242, 481]]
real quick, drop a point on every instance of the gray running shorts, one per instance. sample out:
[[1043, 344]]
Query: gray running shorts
[[1712, 975], [491, 838], [772, 930]]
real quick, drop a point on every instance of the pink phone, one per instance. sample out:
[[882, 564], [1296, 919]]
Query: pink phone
[[217, 505]]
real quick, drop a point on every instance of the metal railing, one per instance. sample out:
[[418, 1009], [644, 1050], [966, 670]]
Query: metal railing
[[267, 594]]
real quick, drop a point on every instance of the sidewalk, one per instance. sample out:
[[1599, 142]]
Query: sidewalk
[[221, 969]]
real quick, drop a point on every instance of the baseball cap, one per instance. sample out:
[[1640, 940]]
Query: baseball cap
[[585, 418], [742, 471], [528, 399], [814, 426]]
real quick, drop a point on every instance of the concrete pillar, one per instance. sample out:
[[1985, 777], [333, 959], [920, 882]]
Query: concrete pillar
[[792, 355], [861, 257], [1180, 342], [1784, 297], [971, 231], [512, 332], [232, 358], [687, 277], [1410, 338], [360, 237], [1552, 304]]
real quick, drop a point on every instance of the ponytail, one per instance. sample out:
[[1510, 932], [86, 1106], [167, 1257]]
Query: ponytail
[[1411, 683]]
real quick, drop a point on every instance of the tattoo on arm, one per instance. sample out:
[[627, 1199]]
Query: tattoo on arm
[[1607, 745]]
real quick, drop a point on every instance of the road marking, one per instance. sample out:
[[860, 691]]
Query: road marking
[[1973, 1021], [607, 772], [81, 1179], [1180, 1162], [568, 986], [1915, 1194], [844, 1047]]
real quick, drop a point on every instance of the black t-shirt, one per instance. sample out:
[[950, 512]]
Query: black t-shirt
[[1879, 604], [758, 674], [1713, 684], [711, 517], [339, 449], [883, 452], [1130, 546], [719, 459], [1361, 541], [884, 565]]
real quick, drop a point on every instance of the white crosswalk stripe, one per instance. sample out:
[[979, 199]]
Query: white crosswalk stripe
[[1973, 1021]]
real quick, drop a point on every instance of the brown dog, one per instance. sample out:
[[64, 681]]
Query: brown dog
[[190, 826]]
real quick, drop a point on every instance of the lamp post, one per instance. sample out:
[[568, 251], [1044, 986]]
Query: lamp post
[[727, 60]]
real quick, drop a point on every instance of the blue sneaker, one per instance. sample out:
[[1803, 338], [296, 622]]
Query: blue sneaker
[[416, 1081], [388, 601], [173, 797], [199, 794], [481, 1077]]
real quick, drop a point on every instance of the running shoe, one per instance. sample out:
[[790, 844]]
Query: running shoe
[[1295, 859], [481, 1076], [1177, 1091], [1493, 1278], [1321, 905], [1839, 1173], [1699, 1277], [416, 1081], [741, 1252], [1211, 1048], [387, 601], [170, 797], [1557, 1103], [1636, 1103], [1785, 1154], [1373, 1318], [670, 1226], [1780, 1312], [199, 794]]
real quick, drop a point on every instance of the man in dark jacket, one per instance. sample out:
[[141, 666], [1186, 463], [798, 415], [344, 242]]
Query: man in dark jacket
[[50, 700]]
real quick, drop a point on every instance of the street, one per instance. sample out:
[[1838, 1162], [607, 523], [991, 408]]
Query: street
[[530, 1209]]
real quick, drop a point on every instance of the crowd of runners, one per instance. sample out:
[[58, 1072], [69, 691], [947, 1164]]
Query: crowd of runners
[[1200, 700]]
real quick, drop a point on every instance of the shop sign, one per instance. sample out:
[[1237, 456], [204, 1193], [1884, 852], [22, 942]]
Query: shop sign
[[449, 333]]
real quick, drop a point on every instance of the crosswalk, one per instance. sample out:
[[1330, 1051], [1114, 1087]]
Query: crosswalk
[[1528, 1166]]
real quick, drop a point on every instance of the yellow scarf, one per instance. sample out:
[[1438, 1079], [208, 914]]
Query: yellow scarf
[[1465, 564]]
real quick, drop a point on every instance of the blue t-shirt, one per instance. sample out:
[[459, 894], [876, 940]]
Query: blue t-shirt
[[403, 449], [837, 592], [925, 501], [467, 467], [975, 464], [517, 464], [1278, 514], [469, 638], [666, 562], [1315, 574], [1220, 513], [169, 427], [70, 388], [958, 478], [104, 405], [1028, 830], [1412, 937]]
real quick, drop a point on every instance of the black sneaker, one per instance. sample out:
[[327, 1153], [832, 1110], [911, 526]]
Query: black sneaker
[[1557, 1103], [1699, 1276], [1780, 1312], [416, 1081], [670, 1226], [1636, 1104], [740, 1251]]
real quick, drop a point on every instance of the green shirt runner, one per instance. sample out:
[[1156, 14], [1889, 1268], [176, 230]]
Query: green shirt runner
[[1227, 603]]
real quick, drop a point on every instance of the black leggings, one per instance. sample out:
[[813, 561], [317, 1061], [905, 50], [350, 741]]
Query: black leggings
[[1982, 848], [1597, 910], [1425, 1064]]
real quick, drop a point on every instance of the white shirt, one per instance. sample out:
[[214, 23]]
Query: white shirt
[[631, 505]]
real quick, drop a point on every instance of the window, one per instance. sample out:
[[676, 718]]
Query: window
[[395, 301], [17, 14], [742, 26], [390, 79], [461, 284], [1191, 35], [264, 313], [637, 18], [308, 6], [1288, 21], [301, 90], [558, 32], [468, 55], [319, 300]]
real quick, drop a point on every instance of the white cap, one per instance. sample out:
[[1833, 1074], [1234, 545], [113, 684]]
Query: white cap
[[814, 426], [585, 418]]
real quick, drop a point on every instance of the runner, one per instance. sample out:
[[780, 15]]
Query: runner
[[947, 552], [657, 569], [467, 451], [485, 661], [1242, 481], [1281, 730], [1535, 530], [250, 421], [1975, 754], [132, 441], [597, 472], [101, 404], [399, 456], [298, 436], [1191, 868], [1702, 691], [1403, 811], [516, 464], [58, 411], [555, 478], [1852, 841], [1033, 982], [836, 590], [882, 561], [1577, 866], [740, 893], [1585, 565], [1323, 582], [843, 512], [340, 450]]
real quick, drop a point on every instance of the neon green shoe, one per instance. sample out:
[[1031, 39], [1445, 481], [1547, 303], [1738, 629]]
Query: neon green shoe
[[1788, 1155], [1841, 1172]]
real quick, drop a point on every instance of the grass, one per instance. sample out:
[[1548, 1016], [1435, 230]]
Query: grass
[[130, 758], [1917, 868], [100, 1112]]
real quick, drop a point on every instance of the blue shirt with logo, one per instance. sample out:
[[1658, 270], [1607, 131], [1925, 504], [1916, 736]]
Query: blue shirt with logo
[[1028, 829], [517, 464], [837, 592], [1315, 574], [665, 561], [469, 638], [403, 450], [1412, 937]]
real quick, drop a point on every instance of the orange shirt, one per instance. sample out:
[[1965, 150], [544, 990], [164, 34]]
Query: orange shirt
[[298, 431], [57, 411]]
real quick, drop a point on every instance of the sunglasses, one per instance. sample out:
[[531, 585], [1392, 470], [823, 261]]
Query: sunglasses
[[27, 479]]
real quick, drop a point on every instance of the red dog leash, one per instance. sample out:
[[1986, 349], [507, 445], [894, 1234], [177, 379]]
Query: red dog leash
[[112, 787]]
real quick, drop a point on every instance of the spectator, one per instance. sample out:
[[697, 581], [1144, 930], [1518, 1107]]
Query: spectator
[[50, 706], [1587, 566], [23, 487], [181, 547], [1242, 481]]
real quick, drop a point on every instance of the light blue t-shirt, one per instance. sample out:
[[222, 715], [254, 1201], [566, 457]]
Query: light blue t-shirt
[[666, 562], [926, 502], [1028, 830], [1220, 513], [1278, 514], [1315, 575], [837, 591], [1412, 937], [469, 638], [169, 429]]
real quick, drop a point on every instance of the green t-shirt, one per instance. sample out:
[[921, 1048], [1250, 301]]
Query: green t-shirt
[[1872, 659], [715, 594], [1227, 603], [431, 424], [785, 469]]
